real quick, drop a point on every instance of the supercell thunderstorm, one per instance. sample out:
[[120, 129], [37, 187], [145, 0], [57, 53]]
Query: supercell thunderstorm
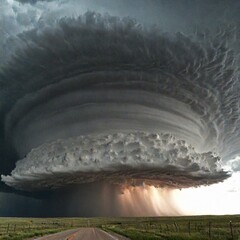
[[100, 98]]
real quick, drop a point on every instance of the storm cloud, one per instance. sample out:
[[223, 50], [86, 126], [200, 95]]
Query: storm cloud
[[96, 97], [101, 74], [133, 158]]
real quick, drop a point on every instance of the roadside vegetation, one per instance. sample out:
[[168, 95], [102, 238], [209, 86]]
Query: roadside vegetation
[[146, 228], [180, 228]]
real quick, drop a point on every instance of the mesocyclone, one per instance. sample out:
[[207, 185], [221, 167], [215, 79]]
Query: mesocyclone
[[99, 98]]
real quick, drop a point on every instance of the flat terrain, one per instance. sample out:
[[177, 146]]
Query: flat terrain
[[143, 228], [84, 234]]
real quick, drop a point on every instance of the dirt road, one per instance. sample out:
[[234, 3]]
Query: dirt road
[[84, 234]]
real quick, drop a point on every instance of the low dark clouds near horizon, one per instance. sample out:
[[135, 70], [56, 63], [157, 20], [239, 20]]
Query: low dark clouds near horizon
[[192, 59], [89, 200]]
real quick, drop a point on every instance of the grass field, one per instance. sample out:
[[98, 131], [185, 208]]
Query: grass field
[[170, 228]]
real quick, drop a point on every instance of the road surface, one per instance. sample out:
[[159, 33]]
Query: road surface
[[84, 234]]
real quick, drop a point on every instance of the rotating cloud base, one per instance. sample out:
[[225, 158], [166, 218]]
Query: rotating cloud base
[[129, 159]]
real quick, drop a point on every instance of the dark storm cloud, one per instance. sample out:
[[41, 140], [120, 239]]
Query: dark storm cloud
[[100, 75], [147, 80], [68, 73], [71, 201]]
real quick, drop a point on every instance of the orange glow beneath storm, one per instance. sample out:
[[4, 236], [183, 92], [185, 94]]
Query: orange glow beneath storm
[[221, 198], [147, 201]]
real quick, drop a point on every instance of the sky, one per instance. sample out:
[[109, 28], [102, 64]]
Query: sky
[[134, 103]]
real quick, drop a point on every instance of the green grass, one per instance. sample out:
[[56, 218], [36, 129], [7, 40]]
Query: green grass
[[27, 235], [179, 228], [148, 228]]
